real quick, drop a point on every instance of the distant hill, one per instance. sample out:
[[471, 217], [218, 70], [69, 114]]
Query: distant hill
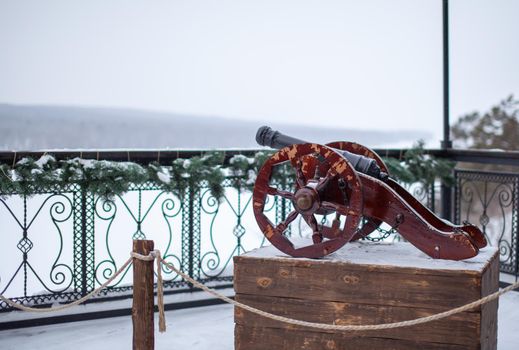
[[55, 127]]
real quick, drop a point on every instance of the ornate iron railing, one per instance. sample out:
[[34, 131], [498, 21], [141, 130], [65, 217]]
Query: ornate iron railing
[[60, 281], [490, 200], [81, 242], [62, 241]]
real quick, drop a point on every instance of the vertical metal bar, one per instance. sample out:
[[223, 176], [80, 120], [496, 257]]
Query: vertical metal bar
[[78, 226], [432, 198], [446, 200], [186, 230], [238, 224], [89, 241], [194, 237], [514, 236], [446, 143], [84, 285], [457, 197], [24, 250], [84, 277], [190, 268], [446, 191]]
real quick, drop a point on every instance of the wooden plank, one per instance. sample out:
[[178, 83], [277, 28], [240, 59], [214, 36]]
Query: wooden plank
[[354, 284], [254, 338], [142, 309], [461, 329], [489, 285]]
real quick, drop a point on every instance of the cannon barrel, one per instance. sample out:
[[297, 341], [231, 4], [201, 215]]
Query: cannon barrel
[[272, 138]]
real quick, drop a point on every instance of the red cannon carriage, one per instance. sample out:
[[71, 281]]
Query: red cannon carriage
[[352, 182]]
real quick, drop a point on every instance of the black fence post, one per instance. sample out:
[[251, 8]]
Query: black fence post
[[190, 267], [515, 230], [84, 240], [446, 198], [191, 231], [84, 288], [432, 198], [446, 191]]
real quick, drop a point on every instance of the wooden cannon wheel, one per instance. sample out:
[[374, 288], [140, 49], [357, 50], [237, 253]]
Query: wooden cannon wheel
[[312, 196], [370, 224]]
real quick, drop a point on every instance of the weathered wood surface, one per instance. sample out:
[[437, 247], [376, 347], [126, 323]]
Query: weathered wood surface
[[338, 290], [142, 308], [489, 285], [252, 338], [460, 327]]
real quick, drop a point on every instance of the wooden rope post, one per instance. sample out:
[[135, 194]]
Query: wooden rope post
[[142, 309]]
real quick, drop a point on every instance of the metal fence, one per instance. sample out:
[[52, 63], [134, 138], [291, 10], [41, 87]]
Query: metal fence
[[490, 200], [61, 242]]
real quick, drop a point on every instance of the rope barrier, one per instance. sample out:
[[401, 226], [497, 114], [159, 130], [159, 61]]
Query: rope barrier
[[155, 255], [69, 305], [334, 327]]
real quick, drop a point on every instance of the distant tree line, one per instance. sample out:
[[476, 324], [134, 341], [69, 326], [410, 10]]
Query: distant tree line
[[497, 128]]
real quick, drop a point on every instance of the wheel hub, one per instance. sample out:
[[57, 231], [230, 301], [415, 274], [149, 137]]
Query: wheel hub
[[306, 200]]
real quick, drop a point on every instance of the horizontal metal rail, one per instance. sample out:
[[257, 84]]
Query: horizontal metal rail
[[166, 155]]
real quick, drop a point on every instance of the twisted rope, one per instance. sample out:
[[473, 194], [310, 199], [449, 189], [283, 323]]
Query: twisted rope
[[334, 327], [160, 290], [69, 305], [160, 301]]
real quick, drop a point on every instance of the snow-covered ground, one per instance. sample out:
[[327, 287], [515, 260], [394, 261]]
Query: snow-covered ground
[[209, 327]]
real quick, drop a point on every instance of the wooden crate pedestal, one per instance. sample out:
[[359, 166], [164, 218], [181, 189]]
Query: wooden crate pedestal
[[365, 283]]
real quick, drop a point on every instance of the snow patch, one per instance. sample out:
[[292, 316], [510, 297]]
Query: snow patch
[[164, 175], [46, 158], [251, 177], [240, 158], [399, 254]]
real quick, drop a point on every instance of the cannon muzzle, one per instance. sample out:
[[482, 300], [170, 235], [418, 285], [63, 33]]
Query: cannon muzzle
[[272, 138]]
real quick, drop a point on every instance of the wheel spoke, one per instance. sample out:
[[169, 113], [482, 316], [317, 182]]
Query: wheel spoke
[[338, 208], [336, 223], [272, 191], [329, 206], [285, 194], [282, 226], [325, 180], [277, 192], [300, 177], [312, 222], [317, 236]]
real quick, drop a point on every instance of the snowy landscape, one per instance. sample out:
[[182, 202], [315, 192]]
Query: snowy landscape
[[26, 127]]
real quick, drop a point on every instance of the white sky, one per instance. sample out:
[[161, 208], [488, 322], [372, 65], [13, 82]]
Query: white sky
[[372, 64]]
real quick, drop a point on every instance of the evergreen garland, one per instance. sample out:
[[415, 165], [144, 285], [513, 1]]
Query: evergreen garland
[[107, 178], [417, 166]]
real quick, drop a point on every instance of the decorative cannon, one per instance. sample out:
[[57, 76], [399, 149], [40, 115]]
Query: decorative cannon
[[353, 182]]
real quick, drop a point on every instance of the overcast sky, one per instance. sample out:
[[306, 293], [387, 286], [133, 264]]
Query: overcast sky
[[372, 64]]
